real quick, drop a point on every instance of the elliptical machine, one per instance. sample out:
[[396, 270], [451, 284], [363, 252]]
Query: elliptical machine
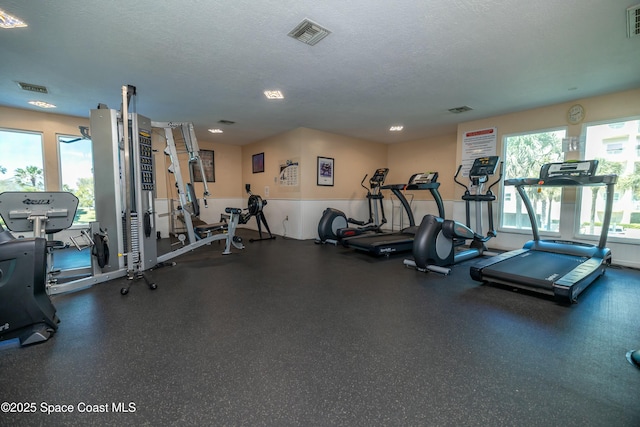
[[333, 225], [435, 243]]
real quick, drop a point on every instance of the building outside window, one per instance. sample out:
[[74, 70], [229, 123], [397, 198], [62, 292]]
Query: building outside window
[[615, 145]]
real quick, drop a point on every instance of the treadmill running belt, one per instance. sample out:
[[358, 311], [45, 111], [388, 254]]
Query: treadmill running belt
[[534, 268], [382, 243]]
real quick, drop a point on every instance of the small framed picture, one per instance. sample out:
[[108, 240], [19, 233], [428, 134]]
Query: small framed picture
[[257, 161], [206, 156], [325, 171]]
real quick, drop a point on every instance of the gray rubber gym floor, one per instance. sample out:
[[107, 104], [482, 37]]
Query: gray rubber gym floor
[[289, 333]]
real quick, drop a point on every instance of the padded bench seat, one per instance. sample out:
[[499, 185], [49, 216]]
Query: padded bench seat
[[203, 230]]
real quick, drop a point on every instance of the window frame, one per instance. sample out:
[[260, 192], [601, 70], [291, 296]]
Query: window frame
[[501, 205], [613, 238], [60, 136], [42, 151]]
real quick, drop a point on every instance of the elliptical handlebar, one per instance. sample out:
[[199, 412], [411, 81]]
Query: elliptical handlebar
[[497, 180], [455, 178], [362, 183]]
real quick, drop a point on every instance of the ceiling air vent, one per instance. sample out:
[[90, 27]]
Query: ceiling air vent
[[633, 21], [33, 88], [309, 32], [226, 122], [462, 109]]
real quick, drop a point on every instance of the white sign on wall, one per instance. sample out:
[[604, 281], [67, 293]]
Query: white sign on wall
[[477, 143]]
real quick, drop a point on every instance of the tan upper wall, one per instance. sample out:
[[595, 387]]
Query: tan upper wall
[[50, 125], [276, 150], [600, 108], [425, 155], [227, 157], [353, 158], [618, 105], [227, 170]]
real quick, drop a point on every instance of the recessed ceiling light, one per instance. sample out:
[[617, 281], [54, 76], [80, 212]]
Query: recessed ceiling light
[[273, 94], [216, 131], [8, 21], [396, 128], [42, 104]]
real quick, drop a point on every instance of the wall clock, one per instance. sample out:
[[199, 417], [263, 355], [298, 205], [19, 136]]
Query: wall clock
[[575, 114]]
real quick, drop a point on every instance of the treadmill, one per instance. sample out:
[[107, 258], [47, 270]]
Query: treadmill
[[559, 268], [386, 243]]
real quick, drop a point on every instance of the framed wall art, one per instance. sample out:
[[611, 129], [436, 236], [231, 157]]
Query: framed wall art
[[257, 162], [326, 171], [207, 165]]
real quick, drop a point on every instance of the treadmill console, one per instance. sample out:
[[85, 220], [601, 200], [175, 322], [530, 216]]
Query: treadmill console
[[571, 168], [484, 166], [378, 177], [423, 178]]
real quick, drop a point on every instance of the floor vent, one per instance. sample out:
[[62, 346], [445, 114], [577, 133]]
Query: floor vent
[[33, 88], [309, 32], [633, 21]]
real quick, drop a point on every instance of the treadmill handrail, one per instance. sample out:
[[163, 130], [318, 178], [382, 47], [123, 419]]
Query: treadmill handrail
[[405, 203], [396, 189], [565, 181], [583, 181]]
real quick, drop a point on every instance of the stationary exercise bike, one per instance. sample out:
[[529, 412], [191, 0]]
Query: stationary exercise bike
[[436, 242], [334, 224], [26, 312]]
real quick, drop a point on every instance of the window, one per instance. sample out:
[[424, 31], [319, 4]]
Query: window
[[524, 155], [615, 146], [21, 164], [76, 174]]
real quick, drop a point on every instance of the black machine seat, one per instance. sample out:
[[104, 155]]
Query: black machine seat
[[203, 230]]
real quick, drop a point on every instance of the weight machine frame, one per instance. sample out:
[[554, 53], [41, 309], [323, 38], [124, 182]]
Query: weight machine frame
[[126, 210]]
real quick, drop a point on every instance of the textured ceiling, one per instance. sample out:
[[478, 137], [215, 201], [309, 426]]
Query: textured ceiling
[[386, 62]]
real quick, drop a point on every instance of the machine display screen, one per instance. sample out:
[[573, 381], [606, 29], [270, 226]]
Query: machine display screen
[[483, 166], [570, 168], [423, 178], [380, 175]]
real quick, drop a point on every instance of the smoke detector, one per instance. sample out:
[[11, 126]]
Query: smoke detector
[[309, 32]]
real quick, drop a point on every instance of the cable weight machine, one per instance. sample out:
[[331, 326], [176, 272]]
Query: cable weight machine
[[124, 172], [201, 233]]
